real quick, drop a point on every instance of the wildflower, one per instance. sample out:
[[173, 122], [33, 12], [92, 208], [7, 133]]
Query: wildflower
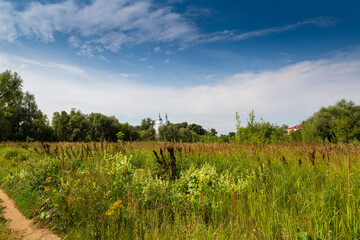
[[110, 212], [118, 204], [141, 170], [46, 189], [116, 207], [48, 180], [54, 190]]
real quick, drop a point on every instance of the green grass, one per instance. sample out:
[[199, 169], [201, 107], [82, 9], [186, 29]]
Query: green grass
[[195, 191]]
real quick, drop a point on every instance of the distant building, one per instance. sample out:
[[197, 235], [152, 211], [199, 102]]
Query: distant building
[[291, 129], [159, 122]]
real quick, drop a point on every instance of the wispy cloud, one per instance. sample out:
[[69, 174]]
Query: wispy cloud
[[235, 36], [118, 24], [7, 25], [286, 95], [111, 25]]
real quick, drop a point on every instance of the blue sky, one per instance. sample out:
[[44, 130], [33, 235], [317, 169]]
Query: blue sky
[[198, 61]]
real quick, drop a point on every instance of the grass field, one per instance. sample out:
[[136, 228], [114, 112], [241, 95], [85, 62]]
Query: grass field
[[187, 191]]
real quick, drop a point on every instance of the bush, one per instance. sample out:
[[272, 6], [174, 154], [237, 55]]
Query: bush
[[258, 132]]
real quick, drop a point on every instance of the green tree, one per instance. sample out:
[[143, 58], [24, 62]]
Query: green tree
[[60, 123], [185, 134], [19, 114], [213, 132], [231, 134], [181, 125], [197, 129], [78, 126], [148, 134], [258, 131], [5, 127], [43, 130], [130, 132], [10, 88], [147, 123], [337, 123], [102, 127], [169, 132]]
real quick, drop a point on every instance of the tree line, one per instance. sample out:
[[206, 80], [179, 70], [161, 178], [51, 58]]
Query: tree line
[[21, 120], [339, 123]]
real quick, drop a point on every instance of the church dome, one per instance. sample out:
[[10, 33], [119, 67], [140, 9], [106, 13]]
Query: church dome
[[166, 121], [159, 121]]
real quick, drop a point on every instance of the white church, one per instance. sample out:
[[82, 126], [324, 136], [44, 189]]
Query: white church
[[159, 122]]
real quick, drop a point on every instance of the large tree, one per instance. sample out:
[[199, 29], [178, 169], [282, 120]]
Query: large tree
[[169, 132], [147, 123], [102, 127], [337, 123], [20, 117]]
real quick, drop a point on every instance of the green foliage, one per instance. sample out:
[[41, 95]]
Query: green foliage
[[5, 127], [130, 132], [148, 134], [258, 132], [197, 129], [185, 134], [10, 88], [210, 191], [102, 127], [120, 136], [19, 114], [338, 123], [213, 132], [169, 133], [146, 124]]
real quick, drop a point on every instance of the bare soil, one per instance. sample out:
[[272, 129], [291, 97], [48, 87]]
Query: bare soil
[[24, 228]]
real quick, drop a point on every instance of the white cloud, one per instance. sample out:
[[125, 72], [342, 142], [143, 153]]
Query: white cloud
[[286, 95], [8, 30], [111, 24], [234, 36], [115, 24]]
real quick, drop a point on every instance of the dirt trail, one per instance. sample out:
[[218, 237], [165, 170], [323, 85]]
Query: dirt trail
[[26, 228]]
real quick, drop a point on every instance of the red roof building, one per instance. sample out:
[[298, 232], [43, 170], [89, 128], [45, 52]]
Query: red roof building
[[292, 129]]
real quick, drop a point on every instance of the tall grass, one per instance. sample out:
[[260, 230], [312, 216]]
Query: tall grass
[[187, 191]]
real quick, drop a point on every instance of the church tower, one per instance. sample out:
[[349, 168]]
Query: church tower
[[159, 122]]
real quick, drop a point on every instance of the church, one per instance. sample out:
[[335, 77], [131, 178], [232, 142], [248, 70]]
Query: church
[[159, 122]]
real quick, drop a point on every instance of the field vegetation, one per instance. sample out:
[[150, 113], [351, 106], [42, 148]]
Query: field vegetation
[[88, 176], [153, 190]]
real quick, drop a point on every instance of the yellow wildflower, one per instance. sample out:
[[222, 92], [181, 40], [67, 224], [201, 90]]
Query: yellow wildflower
[[54, 190], [118, 204], [46, 189], [116, 207], [48, 180], [110, 212], [141, 170]]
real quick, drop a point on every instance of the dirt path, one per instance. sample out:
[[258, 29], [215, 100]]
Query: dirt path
[[21, 225]]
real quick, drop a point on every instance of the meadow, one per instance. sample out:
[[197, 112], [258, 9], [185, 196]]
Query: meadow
[[154, 190]]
